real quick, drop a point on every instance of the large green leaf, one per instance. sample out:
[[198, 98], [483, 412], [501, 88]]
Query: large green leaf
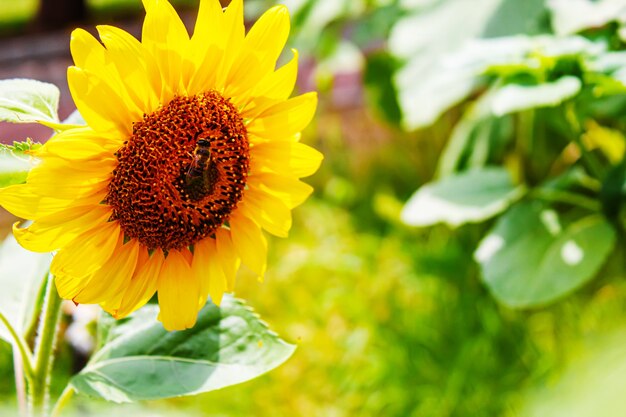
[[21, 275], [572, 16], [442, 61], [530, 258], [512, 98], [467, 197], [140, 360], [28, 101]]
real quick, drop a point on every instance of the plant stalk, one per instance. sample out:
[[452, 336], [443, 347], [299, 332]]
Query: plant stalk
[[65, 397], [20, 387], [39, 387]]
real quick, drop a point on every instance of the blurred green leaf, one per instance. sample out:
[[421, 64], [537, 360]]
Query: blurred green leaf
[[380, 90], [140, 360], [530, 259], [468, 197], [512, 98], [436, 76], [28, 101], [21, 275], [573, 16], [592, 385], [612, 194]]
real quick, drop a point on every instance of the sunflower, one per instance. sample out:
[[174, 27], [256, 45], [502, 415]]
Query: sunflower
[[190, 150]]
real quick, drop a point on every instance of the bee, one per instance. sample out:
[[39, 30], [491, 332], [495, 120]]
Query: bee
[[198, 177], [199, 167]]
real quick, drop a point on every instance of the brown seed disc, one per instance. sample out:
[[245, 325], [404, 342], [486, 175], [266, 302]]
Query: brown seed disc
[[181, 173]]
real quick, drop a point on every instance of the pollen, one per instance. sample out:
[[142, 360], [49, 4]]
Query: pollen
[[181, 173]]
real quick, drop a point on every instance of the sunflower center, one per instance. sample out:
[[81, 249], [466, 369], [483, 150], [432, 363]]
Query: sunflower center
[[181, 173]]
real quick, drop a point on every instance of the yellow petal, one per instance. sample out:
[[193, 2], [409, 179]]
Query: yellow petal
[[109, 282], [80, 143], [207, 47], [53, 231], [233, 32], [143, 284], [287, 158], [166, 38], [249, 242], [134, 65], [267, 211], [85, 49], [228, 258], [207, 270], [101, 107], [178, 293], [83, 256], [283, 120], [288, 189], [208, 24], [22, 201], [205, 77], [259, 52], [90, 55], [55, 177], [274, 87]]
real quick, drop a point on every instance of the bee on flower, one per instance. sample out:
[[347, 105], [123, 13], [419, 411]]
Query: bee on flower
[[190, 151]]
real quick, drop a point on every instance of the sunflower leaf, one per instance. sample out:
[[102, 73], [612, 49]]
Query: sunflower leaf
[[21, 275], [140, 360], [530, 258], [467, 197], [28, 101]]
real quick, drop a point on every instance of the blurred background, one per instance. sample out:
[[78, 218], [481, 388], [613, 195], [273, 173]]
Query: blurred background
[[390, 320]]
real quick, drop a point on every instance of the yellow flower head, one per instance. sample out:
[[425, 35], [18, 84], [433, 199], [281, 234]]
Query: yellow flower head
[[191, 148]]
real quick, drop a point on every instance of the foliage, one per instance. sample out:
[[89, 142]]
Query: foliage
[[564, 98], [393, 320]]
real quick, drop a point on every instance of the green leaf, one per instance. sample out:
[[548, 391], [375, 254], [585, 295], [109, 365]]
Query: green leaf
[[513, 98], [140, 360], [529, 258], [28, 101], [379, 88], [570, 17], [590, 383], [468, 197], [21, 275], [442, 62], [16, 162]]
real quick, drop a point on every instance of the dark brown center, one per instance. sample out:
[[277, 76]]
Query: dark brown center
[[181, 173]]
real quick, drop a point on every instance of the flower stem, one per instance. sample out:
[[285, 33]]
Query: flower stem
[[20, 344], [65, 397], [44, 352], [593, 165], [20, 387]]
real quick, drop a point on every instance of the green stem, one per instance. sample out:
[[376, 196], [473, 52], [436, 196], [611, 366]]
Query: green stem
[[559, 196], [590, 161], [20, 387], [21, 345], [44, 352], [65, 397]]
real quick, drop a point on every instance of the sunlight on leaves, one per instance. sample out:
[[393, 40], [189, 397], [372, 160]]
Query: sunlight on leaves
[[529, 258], [28, 101], [467, 197], [513, 98], [140, 360], [21, 275]]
